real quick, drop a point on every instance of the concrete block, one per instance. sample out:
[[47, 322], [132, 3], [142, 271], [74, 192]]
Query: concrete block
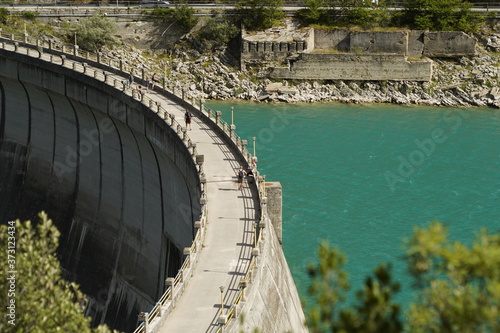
[[379, 42], [448, 44]]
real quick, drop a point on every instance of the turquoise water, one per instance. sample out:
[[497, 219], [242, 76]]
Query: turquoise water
[[362, 177]]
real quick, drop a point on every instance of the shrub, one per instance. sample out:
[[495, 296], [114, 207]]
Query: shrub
[[260, 14], [316, 12], [441, 15], [94, 32], [220, 30], [184, 15], [4, 15], [29, 15]]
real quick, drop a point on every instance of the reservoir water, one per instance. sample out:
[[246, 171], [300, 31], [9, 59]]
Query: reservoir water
[[363, 176]]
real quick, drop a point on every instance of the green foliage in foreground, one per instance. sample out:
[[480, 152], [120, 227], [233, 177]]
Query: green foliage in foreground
[[94, 32], [459, 289], [40, 299]]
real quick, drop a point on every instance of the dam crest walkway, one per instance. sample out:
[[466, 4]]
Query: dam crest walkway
[[202, 297]]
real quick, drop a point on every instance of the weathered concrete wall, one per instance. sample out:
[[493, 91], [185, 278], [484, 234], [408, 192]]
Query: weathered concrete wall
[[355, 67], [379, 42], [414, 43], [338, 39], [275, 207], [448, 44], [270, 51], [276, 44], [271, 299]]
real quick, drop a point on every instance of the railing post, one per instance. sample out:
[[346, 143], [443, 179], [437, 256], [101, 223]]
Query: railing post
[[184, 134], [218, 114], [242, 285], [16, 46], [232, 128], [144, 317], [158, 304], [169, 282], [200, 159], [172, 117], [63, 59], [244, 143], [202, 105], [193, 147], [75, 50]]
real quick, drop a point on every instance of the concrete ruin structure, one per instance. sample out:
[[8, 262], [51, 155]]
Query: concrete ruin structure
[[352, 55]]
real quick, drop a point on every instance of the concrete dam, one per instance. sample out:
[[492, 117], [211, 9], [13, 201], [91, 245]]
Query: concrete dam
[[119, 184], [152, 225]]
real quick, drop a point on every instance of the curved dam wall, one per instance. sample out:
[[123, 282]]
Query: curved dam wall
[[271, 302], [118, 182]]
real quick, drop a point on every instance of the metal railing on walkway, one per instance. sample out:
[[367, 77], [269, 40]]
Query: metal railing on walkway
[[115, 73]]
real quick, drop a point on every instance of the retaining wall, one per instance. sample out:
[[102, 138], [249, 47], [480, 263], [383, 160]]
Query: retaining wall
[[271, 299], [414, 43], [315, 66]]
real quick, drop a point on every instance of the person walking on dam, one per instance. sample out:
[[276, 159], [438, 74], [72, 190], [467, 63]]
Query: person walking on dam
[[187, 119], [241, 175]]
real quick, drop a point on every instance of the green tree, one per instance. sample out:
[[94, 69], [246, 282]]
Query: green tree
[[459, 284], [458, 288], [34, 295], [375, 310], [182, 15], [316, 12], [219, 30], [441, 15], [260, 14], [357, 13], [4, 15], [94, 32]]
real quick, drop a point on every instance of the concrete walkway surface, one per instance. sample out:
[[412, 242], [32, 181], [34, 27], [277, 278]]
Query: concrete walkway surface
[[226, 250]]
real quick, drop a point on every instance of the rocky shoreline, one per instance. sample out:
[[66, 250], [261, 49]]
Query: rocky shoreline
[[456, 82]]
